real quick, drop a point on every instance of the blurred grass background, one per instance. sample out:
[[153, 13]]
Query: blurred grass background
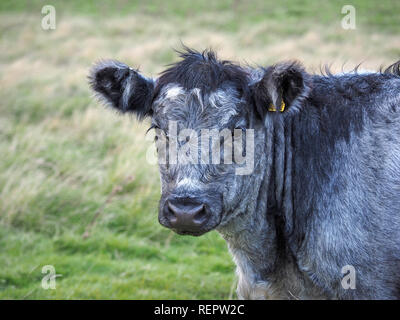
[[65, 161]]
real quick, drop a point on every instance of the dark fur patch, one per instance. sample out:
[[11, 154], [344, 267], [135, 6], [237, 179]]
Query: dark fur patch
[[203, 71]]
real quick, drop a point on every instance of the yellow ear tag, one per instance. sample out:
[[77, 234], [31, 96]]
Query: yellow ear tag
[[283, 106], [272, 108]]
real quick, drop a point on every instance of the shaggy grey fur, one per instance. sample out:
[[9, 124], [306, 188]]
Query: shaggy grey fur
[[325, 190]]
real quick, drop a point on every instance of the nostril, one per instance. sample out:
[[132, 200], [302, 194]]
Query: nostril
[[170, 213], [200, 215]]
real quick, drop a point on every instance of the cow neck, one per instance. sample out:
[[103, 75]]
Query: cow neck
[[280, 169]]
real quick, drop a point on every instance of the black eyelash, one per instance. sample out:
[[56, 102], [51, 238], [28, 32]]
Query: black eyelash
[[157, 128], [153, 126]]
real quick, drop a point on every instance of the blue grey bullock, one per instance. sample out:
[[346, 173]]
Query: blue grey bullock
[[318, 216]]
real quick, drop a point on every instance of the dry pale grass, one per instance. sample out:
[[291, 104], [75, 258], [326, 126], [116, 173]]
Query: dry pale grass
[[51, 67], [67, 52]]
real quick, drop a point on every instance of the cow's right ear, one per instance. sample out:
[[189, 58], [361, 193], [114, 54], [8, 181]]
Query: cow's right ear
[[122, 87]]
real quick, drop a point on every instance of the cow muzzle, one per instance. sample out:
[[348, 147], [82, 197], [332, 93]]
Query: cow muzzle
[[187, 216]]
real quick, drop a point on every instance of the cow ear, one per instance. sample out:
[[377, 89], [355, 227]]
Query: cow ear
[[122, 87], [282, 88]]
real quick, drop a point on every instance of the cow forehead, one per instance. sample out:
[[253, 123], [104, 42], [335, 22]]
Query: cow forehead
[[172, 91], [222, 103]]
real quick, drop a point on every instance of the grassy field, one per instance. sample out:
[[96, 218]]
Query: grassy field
[[76, 191]]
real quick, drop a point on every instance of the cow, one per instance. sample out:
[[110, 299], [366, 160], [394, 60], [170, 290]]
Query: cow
[[318, 214]]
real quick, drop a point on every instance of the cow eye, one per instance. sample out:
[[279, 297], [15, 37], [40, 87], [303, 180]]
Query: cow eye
[[161, 133], [158, 132], [243, 129]]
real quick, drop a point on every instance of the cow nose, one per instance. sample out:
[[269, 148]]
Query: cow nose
[[186, 216]]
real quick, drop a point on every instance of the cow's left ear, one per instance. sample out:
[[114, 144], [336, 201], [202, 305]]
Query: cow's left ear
[[282, 88]]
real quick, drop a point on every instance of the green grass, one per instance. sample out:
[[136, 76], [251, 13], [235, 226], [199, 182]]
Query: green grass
[[63, 156], [381, 14], [114, 265]]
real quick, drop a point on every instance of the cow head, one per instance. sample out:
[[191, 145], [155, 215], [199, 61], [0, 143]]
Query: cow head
[[208, 118]]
